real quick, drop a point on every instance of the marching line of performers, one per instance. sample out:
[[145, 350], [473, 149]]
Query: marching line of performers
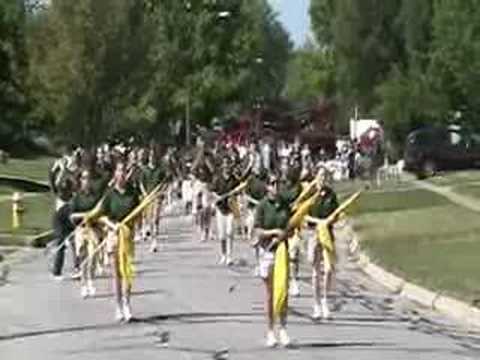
[[110, 197]]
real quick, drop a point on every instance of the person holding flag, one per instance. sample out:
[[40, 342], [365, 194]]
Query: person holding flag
[[87, 236], [120, 201], [271, 219], [323, 207]]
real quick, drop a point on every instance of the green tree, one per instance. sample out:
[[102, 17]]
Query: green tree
[[12, 70], [455, 57], [311, 73], [88, 62]]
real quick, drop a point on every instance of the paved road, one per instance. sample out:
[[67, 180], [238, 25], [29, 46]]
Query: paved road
[[207, 308]]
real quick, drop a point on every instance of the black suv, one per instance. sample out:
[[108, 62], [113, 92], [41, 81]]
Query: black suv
[[431, 149]]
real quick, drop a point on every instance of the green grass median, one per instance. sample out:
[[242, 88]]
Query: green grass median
[[36, 219], [471, 190], [423, 238], [34, 169]]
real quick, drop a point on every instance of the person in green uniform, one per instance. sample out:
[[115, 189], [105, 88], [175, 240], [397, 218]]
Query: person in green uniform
[[151, 176], [87, 236], [119, 203], [254, 193], [291, 188], [325, 205], [271, 220], [222, 185]]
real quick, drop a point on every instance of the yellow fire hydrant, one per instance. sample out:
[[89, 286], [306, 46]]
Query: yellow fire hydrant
[[17, 210]]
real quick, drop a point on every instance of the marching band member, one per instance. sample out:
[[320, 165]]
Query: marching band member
[[222, 185], [327, 202], [118, 203], [87, 236], [271, 219]]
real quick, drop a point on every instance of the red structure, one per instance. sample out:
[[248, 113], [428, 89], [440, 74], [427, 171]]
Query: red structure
[[314, 125]]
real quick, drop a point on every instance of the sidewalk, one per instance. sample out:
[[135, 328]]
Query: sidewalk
[[207, 308]]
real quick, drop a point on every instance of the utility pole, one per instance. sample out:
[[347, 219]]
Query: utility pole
[[188, 135]]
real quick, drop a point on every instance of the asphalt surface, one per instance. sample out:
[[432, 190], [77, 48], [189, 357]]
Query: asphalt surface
[[188, 307]]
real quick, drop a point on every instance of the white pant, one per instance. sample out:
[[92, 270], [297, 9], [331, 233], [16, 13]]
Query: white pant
[[250, 223], [225, 231], [267, 262]]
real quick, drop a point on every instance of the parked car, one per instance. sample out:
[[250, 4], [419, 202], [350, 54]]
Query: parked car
[[429, 150]]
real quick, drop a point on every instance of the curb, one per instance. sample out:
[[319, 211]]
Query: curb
[[445, 305], [40, 240], [24, 253], [25, 183]]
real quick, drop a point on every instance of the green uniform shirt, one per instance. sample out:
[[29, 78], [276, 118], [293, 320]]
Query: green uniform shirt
[[256, 189], [100, 182], [271, 214], [326, 204], [84, 201], [151, 177], [222, 186], [288, 194], [117, 206]]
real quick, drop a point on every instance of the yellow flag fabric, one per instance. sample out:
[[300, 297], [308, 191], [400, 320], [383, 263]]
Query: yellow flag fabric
[[280, 281], [306, 189], [324, 235], [325, 238], [126, 253], [343, 207], [302, 210], [126, 247]]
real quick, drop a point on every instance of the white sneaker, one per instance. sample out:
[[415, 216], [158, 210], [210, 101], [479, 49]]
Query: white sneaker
[[127, 312], [76, 275], [91, 289], [317, 312], [325, 310], [283, 337], [229, 261], [271, 340], [153, 247], [256, 271], [57, 277], [119, 314], [222, 260], [294, 288], [84, 291], [100, 270]]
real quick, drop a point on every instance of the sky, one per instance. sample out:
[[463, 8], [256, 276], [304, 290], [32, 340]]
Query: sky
[[294, 15]]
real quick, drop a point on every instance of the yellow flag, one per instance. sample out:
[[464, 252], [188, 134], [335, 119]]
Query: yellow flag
[[324, 237], [126, 246], [302, 210], [280, 280], [126, 253]]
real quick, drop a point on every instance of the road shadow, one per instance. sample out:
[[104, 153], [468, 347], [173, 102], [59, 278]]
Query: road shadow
[[134, 294]]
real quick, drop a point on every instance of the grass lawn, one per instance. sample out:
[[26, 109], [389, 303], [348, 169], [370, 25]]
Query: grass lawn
[[424, 238], [349, 187], [472, 190], [35, 168], [7, 190], [36, 219]]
